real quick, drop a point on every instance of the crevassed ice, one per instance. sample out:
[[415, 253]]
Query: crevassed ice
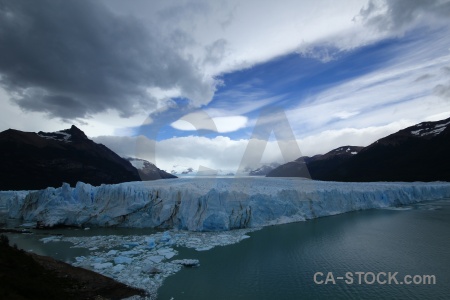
[[209, 204]]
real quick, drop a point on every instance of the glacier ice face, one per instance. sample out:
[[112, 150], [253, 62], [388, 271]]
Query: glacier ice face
[[209, 204]]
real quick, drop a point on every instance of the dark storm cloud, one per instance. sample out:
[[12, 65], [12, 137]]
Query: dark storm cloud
[[56, 106], [73, 59], [400, 13]]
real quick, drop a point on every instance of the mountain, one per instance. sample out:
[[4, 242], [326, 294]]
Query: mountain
[[316, 166], [416, 153], [147, 170], [262, 170], [32, 160]]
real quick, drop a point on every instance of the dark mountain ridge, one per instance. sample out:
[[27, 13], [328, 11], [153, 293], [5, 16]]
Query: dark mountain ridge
[[32, 160], [416, 153]]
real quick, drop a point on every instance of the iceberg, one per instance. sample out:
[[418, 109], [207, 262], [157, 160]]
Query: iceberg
[[122, 260], [187, 262], [209, 204]]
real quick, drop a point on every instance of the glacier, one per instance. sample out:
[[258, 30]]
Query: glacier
[[209, 204]]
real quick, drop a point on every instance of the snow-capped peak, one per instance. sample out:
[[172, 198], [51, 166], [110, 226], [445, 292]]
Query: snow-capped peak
[[57, 136], [434, 129], [345, 150]]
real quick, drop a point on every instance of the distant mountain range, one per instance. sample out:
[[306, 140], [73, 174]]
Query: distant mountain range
[[262, 170], [417, 153], [32, 160]]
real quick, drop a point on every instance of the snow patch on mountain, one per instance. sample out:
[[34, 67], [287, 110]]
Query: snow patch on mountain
[[433, 130], [138, 164], [57, 136]]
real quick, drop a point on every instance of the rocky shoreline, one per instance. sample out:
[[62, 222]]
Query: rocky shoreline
[[30, 276]]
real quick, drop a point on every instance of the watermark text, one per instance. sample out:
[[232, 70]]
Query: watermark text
[[373, 278]]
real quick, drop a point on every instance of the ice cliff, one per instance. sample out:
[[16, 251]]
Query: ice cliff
[[209, 204]]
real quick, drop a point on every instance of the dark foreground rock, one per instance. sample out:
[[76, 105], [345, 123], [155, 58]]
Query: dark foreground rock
[[29, 276]]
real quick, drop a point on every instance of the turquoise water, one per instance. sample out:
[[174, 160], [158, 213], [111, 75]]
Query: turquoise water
[[64, 250], [279, 262]]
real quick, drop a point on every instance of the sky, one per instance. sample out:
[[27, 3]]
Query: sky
[[224, 85]]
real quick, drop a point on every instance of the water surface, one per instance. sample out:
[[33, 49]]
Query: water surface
[[279, 262]]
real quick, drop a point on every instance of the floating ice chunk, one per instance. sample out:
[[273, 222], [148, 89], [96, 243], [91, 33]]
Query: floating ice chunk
[[100, 266], [145, 280], [399, 208], [151, 243], [118, 268], [131, 244], [180, 236], [129, 252], [50, 239], [187, 262], [99, 259], [205, 248], [130, 280], [93, 248], [123, 260], [156, 258], [166, 252], [194, 243], [28, 225], [165, 238], [112, 252], [150, 269], [224, 237], [80, 258]]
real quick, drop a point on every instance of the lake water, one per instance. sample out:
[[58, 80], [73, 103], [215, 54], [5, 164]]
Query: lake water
[[65, 251], [279, 262]]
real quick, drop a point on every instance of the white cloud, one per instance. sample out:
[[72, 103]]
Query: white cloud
[[220, 37], [201, 120], [411, 86], [230, 124], [331, 139], [215, 37], [400, 15], [224, 36], [225, 155]]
